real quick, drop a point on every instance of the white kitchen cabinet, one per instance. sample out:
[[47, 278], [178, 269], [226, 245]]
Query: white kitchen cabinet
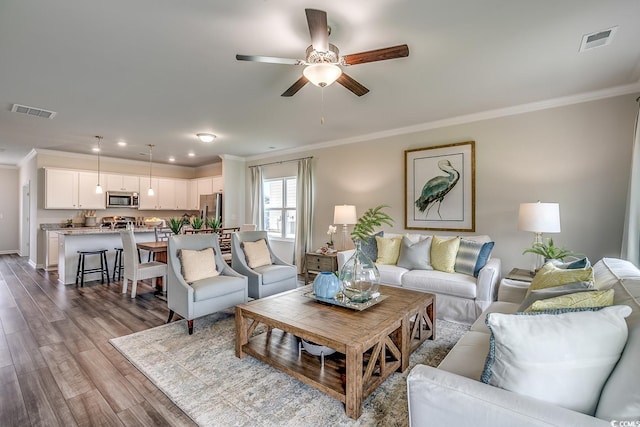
[[117, 182], [52, 250], [87, 197], [218, 184], [61, 189], [193, 199], [205, 186], [146, 201], [182, 188], [166, 193]]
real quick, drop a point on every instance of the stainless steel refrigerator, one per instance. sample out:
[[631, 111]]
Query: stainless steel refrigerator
[[211, 206]]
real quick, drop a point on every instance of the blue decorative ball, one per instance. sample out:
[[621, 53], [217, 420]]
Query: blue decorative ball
[[326, 285]]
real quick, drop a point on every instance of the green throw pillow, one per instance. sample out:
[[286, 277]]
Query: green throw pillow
[[550, 276], [443, 254], [388, 250], [575, 300]]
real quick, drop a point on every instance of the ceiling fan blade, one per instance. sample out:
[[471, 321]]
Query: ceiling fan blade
[[399, 51], [270, 59], [355, 87], [317, 20], [299, 84]]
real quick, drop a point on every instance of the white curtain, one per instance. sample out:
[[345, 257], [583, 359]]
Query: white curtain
[[631, 237], [257, 207], [304, 213]]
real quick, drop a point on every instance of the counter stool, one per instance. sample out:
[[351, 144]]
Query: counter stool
[[103, 269], [118, 265]]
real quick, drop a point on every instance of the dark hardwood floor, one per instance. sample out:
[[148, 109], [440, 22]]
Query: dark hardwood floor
[[57, 367]]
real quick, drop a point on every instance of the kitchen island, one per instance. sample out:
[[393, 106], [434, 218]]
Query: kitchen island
[[72, 240]]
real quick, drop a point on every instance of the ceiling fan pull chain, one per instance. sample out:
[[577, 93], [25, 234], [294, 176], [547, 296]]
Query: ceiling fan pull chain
[[322, 106]]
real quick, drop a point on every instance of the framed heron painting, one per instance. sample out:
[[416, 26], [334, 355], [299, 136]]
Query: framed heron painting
[[439, 187]]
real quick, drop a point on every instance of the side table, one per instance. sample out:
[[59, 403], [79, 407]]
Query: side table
[[317, 263]]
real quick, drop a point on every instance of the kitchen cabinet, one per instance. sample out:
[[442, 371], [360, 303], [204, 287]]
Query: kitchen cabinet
[[87, 197], [146, 201], [193, 199], [205, 186], [166, 193], [218, 184], [52, 250], [182, 187], [117, 182], [61, 189]]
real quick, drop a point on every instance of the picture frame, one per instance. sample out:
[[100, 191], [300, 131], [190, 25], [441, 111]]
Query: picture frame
[[439, 187]]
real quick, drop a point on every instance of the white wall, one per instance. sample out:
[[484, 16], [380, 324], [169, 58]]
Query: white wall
[[577, 155], [9, 210]]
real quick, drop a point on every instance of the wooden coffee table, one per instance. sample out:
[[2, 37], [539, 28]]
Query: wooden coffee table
[[370, 344]]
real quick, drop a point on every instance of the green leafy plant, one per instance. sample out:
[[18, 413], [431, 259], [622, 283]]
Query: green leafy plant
[[196, 223], [175, 224], [214, 223], [372, 218], [549, 250]]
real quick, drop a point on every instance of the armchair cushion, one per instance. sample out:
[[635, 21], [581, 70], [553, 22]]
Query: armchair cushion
[[197, 265], [213, 287], [274, 273], [257, 253]]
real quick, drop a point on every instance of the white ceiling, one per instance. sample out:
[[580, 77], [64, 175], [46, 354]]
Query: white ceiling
[[159, 71]]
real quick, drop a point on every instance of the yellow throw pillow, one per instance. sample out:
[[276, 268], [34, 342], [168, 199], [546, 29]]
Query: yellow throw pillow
[[550, 276], [197, 265], [388, 250], [575, 300], [256, 253], [443, 254]]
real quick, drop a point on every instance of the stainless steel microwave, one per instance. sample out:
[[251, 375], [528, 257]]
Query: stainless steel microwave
[[119, 199]]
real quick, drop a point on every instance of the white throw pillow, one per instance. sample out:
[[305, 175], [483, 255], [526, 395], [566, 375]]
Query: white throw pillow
[[256, 253], [198, 265], [564, 358]]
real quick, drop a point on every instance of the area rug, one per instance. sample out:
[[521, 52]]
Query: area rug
[[201, 374]]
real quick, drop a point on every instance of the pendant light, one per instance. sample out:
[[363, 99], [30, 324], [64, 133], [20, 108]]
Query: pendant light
[[98, 186], [150, 191]]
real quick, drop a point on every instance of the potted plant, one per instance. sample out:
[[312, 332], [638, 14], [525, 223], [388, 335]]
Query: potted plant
[[175, 224], [359, 276], [214, 223], [196, 223], [549, 251]]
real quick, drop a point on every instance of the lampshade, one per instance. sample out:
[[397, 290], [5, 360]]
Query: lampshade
[[322, 74], [345, 214], [539, 217]]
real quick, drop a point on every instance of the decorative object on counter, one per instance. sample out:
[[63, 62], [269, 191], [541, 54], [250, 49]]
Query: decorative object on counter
[[196, 223], [214, 223], [345, 215], [150, 191], [70, 222], [330, 232], [153, 221], [359, 275], [175, 224], [90, 218], [98, 186], [326, 285]]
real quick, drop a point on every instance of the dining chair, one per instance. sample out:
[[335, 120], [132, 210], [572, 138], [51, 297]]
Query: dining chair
[[269, 277], [134, 270]]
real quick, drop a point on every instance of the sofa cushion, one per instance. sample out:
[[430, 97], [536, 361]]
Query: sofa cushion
[[540, 294], [472, 256], [550, 276], [388, 250], [197, 265], [218, 286], [480, 325], [467, 357], [443, 253], [572, 265], [608, 271], [563, 358], [274, 273], [574, 300], [370, 247], [415, 256], [256, 253], [391, 274], [456, 284]]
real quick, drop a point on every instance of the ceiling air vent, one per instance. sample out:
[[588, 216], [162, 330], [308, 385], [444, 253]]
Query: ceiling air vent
[[597, 39], [38, 112]]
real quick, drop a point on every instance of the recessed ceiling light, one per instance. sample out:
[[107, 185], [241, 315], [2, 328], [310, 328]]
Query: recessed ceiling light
[[122, 143], [172, 159], [192, 154], [206, 137]]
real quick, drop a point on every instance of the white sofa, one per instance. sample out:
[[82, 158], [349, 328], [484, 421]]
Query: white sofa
[[452, 394], [460, 298]]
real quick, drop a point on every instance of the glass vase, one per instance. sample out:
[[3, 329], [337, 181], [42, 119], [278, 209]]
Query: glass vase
[[326, 285], [359, 277]]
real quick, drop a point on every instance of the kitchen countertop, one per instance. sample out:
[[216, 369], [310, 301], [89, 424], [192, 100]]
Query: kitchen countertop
[[95, 230]]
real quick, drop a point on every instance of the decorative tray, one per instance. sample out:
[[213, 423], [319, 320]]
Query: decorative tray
[[342, 301]]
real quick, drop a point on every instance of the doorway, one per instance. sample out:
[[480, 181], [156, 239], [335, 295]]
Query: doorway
[[25, 216]]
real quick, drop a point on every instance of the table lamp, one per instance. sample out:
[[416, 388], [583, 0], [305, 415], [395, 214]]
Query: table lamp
[[345, 215], [539, 218]]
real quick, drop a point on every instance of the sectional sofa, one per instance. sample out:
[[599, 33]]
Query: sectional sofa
[[453, 393]]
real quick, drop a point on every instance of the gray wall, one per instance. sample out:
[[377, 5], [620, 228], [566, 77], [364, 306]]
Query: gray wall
[[576, 155], [9, 209]]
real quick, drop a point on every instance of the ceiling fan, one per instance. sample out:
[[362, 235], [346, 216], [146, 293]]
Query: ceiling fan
[[323, 60]]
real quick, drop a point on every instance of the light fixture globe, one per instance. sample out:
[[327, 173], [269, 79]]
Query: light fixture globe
[[206, 137], [322, 74]]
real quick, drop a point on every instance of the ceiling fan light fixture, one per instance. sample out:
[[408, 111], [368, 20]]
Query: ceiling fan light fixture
[[206, 137], [322, 74]]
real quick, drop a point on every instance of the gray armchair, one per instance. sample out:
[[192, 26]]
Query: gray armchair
[[265, 280], [203, 296]]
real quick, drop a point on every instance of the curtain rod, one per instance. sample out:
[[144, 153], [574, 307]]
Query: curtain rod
[[283, 161]]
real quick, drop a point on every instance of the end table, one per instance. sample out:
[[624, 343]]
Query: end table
[[317, 263]]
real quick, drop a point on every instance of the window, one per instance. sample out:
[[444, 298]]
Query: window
[[280, 207]]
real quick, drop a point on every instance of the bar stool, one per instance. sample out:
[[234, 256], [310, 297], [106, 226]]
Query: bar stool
[[118, 265], [103, 269]]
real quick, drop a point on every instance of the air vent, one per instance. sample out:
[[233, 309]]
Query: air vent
[[597, 39], [38, 112]]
